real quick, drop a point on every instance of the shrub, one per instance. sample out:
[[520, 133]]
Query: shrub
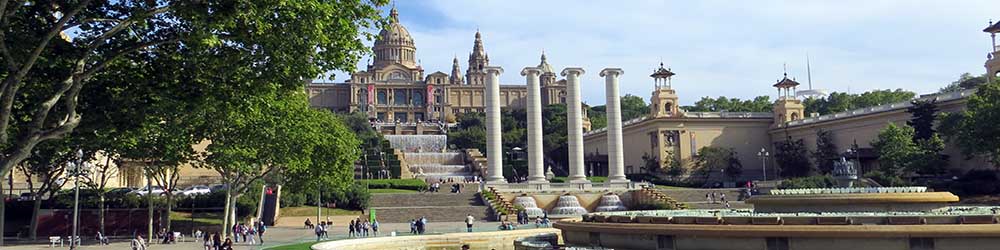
[[887, 180], [817, 181], [290, 199], [563, 179], [408, 184], [976, 182]]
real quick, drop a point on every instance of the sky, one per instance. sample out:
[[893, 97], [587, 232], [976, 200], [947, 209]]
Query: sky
[[716, 48]]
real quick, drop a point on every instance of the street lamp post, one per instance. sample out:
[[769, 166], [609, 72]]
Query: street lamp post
[[76, 169], [763, 154]]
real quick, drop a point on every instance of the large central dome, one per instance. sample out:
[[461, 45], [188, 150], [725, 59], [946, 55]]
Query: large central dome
[[394, 44]]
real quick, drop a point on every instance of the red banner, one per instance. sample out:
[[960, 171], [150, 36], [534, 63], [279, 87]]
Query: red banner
[[371, 94], [430, 94]]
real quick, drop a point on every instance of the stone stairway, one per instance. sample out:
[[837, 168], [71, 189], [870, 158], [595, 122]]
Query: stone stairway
[[437, 207], [695, 198]]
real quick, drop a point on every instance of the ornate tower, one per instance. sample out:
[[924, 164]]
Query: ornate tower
[[664, 101], [993, 58], [551, 89], [478, 60], [394, 45], [456, 72], [787, 107]]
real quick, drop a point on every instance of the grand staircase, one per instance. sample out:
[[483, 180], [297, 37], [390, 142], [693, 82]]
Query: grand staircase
[[695, 198], [437, 207]]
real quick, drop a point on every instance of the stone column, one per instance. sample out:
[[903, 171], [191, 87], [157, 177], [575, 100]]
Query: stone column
[[616, 155], [536, 164], [574, 123], [494, 148]]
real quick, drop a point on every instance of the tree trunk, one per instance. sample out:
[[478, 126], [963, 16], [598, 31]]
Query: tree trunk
[[170, 206], [232, 209], [149, 201], [3, 212], [100, 212], [225, 214], [33, 227]]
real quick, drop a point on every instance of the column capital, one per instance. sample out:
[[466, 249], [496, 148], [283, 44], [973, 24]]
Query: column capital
[[531, 70], [609, 71], [493, 69], [573, 70]]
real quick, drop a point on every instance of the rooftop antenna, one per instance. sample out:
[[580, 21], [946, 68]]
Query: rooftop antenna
[[784, 68], [809, 72]]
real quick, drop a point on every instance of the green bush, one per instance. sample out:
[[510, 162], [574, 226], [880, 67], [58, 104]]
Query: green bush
[[887, 180], [290, 199], [408, 184], [817, 181], [564, 179]]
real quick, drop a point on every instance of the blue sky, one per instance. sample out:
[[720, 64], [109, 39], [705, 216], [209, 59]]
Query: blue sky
[[717, 48]]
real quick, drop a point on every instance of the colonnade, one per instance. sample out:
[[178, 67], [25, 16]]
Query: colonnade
[[574, 122]]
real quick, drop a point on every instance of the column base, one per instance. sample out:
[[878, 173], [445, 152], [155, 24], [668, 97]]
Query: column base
[[578, 180], [619, 180], [539, 180]]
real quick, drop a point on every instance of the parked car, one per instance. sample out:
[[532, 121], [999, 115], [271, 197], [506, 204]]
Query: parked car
[[156, 190], [195, 190], [26, 197], [219, 187], [120, 191]]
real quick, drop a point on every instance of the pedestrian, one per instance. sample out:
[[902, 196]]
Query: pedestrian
[[375, 228], [326, 229], [319, 231], [138, 243], [468, 222], [413, 226], [228, 245], [722, 197], [248, 235], [727, 203], [243, 232], [708, 197], [236, 232], [350, 229], [423, 224], [216, 241], [207, 241], [713, 197], [260, 231], [364, 228]]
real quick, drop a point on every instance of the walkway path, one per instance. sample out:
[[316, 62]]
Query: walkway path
[[287, 235]]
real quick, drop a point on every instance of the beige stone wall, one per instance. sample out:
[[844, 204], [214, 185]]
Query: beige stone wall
[[745, 136], [330, 96], [865, 128]]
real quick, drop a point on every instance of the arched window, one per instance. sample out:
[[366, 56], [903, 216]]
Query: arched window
[[418, 98], [562, 97], [383, 97], [795, 116], [399, 97]]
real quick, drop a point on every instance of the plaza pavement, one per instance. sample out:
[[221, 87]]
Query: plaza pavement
[[282, 235]]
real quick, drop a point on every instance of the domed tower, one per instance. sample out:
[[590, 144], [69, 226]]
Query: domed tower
[[478, 60], [456, 72], [787, 108], [993, 58], [664, 100], [550, 87], [395, 45]]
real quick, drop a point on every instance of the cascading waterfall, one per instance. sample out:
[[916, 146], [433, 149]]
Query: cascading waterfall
[[529, 205], [418, 143], [568, 205], [610, 202]]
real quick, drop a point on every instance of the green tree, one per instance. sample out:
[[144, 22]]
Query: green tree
[[46, 166], [928, 160], [716, 159], [840, 102], [975, 130], [895, 147], [633, 107], [826, 151], [965, 81], [724, 104], [331, 160], [923, 113], [792, 158]]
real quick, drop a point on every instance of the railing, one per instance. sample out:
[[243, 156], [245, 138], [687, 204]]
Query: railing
[[864, 190], [565, 187], [883, 108]]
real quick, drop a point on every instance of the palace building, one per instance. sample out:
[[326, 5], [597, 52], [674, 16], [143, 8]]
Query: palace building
[[395, 92]]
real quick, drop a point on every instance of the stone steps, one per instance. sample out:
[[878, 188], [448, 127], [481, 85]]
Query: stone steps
[[437, 207], [698, 195]]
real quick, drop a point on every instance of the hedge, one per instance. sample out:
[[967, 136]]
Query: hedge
[[408, 184]]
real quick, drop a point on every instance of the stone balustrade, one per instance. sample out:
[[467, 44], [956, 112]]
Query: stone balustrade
[[857, 190]]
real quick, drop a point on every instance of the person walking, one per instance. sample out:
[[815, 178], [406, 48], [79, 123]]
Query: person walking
[[244, 230], [217, 241], [350, 229], [375, 228], [207, 241], [248, 235], [228, 245], [319, 230], [138, 243], [468, 222], [413, 226], [722, 197], [423, 224], [260, 231]]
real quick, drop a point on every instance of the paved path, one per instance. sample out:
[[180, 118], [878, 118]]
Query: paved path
[[288, 235]]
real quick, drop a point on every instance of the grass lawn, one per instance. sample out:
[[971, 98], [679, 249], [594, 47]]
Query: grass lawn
[[390, 191], [671, 187], [210, 218], [297, 246], [311, 211]]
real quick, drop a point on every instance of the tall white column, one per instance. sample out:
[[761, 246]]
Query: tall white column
[[494, 150], [574, 123], [536, 165], [616, 155]]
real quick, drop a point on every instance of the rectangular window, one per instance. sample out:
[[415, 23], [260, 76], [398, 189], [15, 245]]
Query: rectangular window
[[400, 117], [921, 243], [777, 243], [664, 242]]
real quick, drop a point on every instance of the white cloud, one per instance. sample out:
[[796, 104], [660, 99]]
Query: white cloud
[[730, 48]]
